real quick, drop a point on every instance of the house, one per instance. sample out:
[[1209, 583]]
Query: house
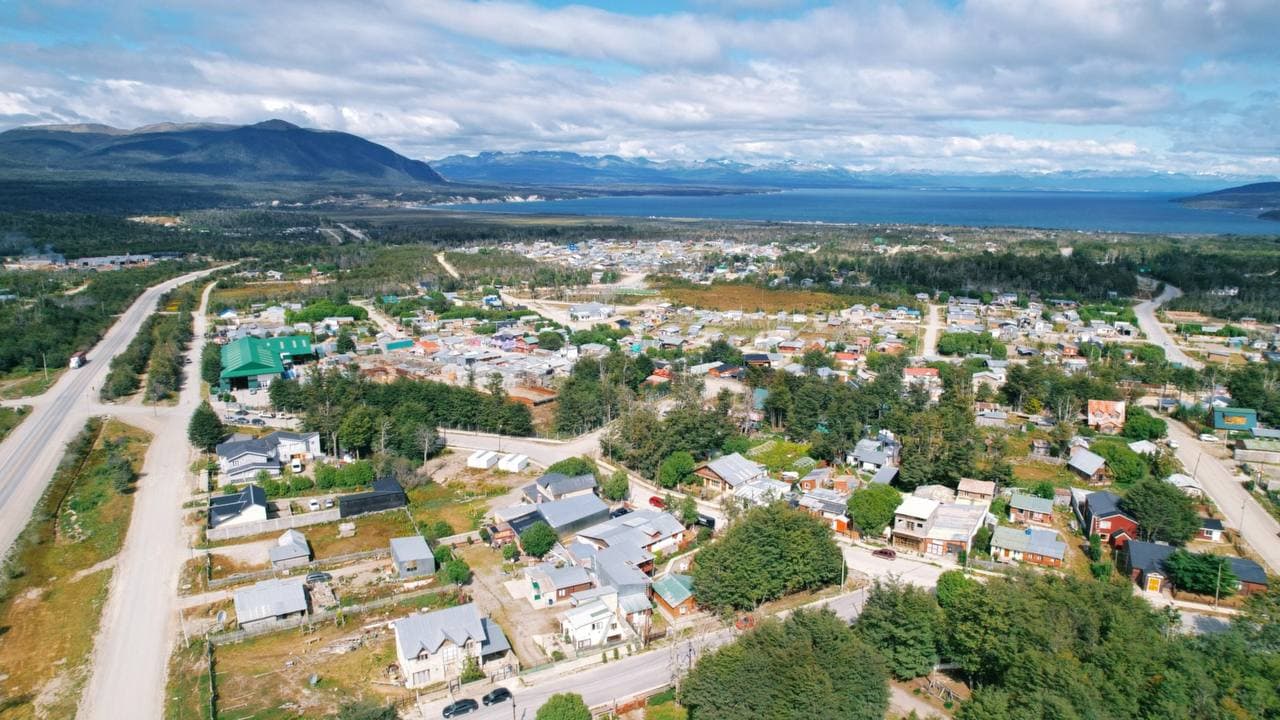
[[674, 595], [1040, 449], [1258, 450], [247, 505], [1025, 509], [240, 459], [1186, 484], [590, 311], [727, 472], [1233, 418], [991, 418], [1210, 530], [926, 377], [269, 602], [386, 494], [291, 550], [558, 486], [1144, 447], [1089, 465], [762, 491], [939, 493], [911, 521], [871, 454], [1029, 545], [1099, 514], [435, 647], [1106, 416], [412, 557], [977, 492], [885, 476], [830, 506], [571, 514], [652, 531], [549, 584], [594, 623]]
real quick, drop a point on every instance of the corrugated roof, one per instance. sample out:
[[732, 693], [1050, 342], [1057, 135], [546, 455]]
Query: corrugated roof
[[1032, 503], [270, 598], [674, 588], [1033, 540]]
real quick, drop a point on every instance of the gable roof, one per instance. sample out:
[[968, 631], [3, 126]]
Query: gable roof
[[225, 507], [1032, 540], [977, 487], [560, 484], [270, 598], [1148, 556], [885, 475], [1031, 503], [290, 545], [560, 514], [673, 588], [735, 469], [427, 632], [1086, 461]]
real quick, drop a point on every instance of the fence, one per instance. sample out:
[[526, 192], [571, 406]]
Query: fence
[[214, 584], [233, 636], [227, 532]]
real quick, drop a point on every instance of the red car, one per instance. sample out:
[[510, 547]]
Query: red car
[[657, 502], [886, 553]]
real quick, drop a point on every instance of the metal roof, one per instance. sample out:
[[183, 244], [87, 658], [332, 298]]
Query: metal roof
[[1033, 540], [1033, 503], [674, 588], [270, 598]]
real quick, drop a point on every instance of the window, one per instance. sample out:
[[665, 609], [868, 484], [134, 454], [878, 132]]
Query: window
[[411, 566], [421, 677], [450, 653]]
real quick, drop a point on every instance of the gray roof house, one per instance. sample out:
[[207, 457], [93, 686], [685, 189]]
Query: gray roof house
[[434, 647], [729, 471], [557, 486], [412, 557], [247, 505], [291, 550], [572, 514], [269, 601], [1089, 464], [1035, 545]]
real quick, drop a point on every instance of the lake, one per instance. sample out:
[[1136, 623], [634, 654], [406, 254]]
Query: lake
[[1102, 211]]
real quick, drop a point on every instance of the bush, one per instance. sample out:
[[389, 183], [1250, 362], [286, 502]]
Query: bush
[[456, 571], [575, 466], [564, 706], [676, 469], [538, 539], [616, 487], [510, 552], [872, 508]]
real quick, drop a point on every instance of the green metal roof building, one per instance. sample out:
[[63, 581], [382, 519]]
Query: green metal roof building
[[251, 358]]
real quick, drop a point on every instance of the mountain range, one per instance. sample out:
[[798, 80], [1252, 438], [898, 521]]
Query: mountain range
[[270, 151], [567, 169], [1263, 198]]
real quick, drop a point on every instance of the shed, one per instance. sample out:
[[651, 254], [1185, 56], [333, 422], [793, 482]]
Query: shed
[[412, 557]]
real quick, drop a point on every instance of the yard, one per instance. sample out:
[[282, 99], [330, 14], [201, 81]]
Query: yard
[[257, 292], [778, 455], [56, 582], [373, 532]]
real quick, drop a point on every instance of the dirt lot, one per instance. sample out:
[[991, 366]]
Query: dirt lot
[[514, 616]]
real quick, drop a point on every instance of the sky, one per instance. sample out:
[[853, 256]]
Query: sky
[[960, 86]]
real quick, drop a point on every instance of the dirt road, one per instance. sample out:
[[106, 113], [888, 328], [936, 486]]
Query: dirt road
[[1156, 333]]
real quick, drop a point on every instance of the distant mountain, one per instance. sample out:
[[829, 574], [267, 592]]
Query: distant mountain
[[269, 151], [566, 169], [1261, 198]]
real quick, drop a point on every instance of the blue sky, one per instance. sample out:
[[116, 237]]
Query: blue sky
[[946, 86]]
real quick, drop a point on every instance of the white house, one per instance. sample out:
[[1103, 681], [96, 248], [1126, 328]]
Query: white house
[[590, 311], [435, 647], [239, 460], [246, 506], [594, 623]]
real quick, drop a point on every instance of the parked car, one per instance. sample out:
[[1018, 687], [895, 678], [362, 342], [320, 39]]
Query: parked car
[[496, 696], [295, 465], [258, 422], [328, 503], [313, 505], [1208, 437], [886, 553], [619, 512], [461, 707], [657, 502], [318, 577], [1173, 444], [706, 521]]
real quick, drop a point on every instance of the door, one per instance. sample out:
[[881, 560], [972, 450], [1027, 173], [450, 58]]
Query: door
[[1153, 583]]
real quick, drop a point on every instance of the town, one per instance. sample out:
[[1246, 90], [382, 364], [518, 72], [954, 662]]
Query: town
[[538, 474]]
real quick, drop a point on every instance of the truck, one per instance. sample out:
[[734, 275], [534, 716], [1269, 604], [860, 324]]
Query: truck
[[78, 359]]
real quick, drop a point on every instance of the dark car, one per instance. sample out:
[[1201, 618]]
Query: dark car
[[886, 553], [619, 512], [706, 521], [461, 707], [318, 577], [495, 696]]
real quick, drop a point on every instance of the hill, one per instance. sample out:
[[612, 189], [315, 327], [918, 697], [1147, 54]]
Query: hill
[[1262, 198], [270, 151]]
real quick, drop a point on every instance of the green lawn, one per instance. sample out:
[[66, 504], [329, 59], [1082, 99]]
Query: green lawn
[[10, 418]]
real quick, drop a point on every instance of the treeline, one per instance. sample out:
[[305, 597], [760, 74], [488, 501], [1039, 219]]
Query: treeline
[[596, 389], [400, 418], [1046, 646], [1252, 268], [53, 325], [1083, 274], [641, 440], [156, 350], [965, 343], [491, 266]]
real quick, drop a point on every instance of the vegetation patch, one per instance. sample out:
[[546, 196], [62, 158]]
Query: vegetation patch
[[11, 417], [56, 580], [750, 298]]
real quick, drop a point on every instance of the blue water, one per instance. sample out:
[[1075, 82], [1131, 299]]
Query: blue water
[[1103, 211]]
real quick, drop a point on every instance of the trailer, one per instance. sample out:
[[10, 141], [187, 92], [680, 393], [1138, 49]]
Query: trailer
[[78, 359]]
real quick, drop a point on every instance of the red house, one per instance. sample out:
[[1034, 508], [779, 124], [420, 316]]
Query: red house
[[1099, 513]]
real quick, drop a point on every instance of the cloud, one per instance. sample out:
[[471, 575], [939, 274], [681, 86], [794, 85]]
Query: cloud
[[979, 86]]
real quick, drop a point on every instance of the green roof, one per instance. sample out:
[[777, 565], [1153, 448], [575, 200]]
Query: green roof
[[250, 356], [674, 589]]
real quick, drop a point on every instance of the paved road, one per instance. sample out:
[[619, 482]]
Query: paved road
[[540, 451], [30, 454], [1241, 510], [139, 622], [1156, 333]]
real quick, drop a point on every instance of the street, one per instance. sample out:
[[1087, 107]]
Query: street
[[1156, 333], [31, 453]]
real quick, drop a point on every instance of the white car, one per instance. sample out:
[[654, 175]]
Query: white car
[[1209, 438], [313, 505], [1173, 444]]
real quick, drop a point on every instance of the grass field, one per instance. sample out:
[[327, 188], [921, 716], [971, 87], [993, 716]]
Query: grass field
[[57, 580], [256, 292], [778, 454], [10, 418], [26, 384], [373, 532], [459, 504], [751, 298]]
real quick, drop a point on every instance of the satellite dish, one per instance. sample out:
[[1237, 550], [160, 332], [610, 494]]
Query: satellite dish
[[222, 616]]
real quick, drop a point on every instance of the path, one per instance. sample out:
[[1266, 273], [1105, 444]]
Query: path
[[32, 451], [448, 266], [1155, 332], [929, 347], [387, 325], [1240, 508], [139, 622]]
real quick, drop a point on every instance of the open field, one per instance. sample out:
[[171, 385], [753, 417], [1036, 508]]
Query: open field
[[26, 384], [750, 298], [372, 533], [56, 582], [255, 292]]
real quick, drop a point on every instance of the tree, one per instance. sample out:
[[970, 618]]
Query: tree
[[1201, 573], [904, 623], [1126, 466], [564, 706], [688, 510], [550, 340], [872, 508], [510, 552], [809, 666], [773, 551], [456, 571], [357, 429], [205, 429], [1142, 425], [574, 466], [951, 587], [345, 343], [617, 486], [538, 539], [676, 469], [1164, 513]]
